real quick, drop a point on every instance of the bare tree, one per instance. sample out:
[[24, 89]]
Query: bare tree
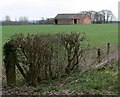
[[23, 19], [92, 15], [98, 17], [7, 18], [107, 16]]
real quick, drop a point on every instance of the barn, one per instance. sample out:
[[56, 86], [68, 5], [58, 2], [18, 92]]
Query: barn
[[72, 19]]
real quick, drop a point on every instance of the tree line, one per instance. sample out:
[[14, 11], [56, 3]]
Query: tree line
[[97, 17], [103, 16]]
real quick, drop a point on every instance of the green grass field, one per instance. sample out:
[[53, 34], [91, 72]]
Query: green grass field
[[97, 34]]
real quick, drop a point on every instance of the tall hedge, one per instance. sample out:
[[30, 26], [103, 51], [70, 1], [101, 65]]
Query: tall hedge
[[41, 57]]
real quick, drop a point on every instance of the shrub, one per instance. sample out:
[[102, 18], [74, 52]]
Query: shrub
[[41, 57]]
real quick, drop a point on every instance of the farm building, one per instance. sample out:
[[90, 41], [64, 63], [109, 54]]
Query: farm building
[[72, 19]]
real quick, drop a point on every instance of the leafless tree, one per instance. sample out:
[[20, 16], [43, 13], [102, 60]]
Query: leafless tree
[[7, 18], [23, 19], [107, 15]]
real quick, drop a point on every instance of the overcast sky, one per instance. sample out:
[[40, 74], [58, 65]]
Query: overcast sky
[[35, 9]]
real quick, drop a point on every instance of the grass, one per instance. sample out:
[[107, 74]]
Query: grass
[[103, 81], [97, 34], [100, 81]]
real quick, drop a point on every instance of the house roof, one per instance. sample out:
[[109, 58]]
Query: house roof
[[69, 16]]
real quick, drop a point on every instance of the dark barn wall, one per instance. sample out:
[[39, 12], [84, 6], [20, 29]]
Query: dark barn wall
[[65, 21]]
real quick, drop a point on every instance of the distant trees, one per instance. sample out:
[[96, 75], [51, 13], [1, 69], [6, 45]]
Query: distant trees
[[107, 15], [7, 18], [23, 19], [103, 16]]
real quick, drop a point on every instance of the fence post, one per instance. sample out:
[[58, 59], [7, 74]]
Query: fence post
[[98, 55], [108, 48], [10, 61]]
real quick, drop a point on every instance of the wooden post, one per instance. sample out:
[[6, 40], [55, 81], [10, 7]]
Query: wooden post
[[108, 48], [10, 61], [99, 55], [10, 73]]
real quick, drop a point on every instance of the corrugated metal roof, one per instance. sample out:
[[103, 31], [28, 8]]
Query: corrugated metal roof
[[66, 16], [69, 16]]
